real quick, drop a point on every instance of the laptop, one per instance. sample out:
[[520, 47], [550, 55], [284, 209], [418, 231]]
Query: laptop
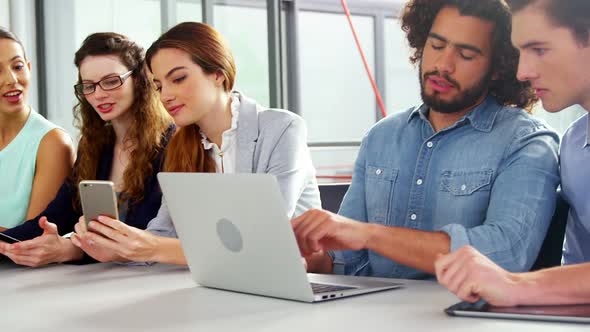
[[578, 313], [236, 236]]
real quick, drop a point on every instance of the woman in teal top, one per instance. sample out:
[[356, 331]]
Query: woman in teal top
[[35, 155]]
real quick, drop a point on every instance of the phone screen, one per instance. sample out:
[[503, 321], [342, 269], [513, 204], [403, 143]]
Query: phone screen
[[8, 239]]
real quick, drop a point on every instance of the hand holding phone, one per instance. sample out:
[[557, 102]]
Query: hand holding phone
[[98, 198]]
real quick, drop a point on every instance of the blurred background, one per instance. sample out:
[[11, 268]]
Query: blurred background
[[293, 54]]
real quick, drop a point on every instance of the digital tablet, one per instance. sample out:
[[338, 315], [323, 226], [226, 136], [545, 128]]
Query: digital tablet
[[579, 313]]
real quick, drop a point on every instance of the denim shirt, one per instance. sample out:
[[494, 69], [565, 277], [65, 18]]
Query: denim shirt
[[488, 181], [575, 186]]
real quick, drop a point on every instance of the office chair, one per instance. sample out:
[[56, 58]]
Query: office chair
[[332, 194]]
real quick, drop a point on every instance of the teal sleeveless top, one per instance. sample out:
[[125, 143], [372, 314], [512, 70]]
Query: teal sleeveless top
[[17, 169]]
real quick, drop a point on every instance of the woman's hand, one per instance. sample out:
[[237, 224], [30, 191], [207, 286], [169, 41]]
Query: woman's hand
[[111, 238], [80, 240], [47, 248]]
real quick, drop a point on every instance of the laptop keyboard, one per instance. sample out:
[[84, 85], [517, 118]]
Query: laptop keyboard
[[325, 288]]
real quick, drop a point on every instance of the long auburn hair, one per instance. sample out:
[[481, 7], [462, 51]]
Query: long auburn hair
[[208, 50], [148, 127]]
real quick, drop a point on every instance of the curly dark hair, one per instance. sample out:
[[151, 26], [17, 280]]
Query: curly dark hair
[[419, 15], [572, 14]]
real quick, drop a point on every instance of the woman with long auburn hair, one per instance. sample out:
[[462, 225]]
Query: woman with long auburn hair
[[221, 131], [123, 132]]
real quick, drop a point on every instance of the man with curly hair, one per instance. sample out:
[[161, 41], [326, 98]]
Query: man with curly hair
[[554, 41], [468, 167]]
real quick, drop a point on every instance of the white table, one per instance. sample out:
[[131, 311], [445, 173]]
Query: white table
[[110, 297]]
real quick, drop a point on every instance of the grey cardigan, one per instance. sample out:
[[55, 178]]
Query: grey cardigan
[[269, 141]]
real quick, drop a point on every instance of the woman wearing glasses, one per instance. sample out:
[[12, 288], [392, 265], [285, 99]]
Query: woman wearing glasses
[[123, 132], [35, 155], [221, 131]]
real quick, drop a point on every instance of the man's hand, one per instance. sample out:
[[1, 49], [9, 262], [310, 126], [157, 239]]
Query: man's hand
[[319, 230], [472, 276]]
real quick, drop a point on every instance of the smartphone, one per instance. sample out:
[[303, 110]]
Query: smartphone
[[8, 239], [98, 198]]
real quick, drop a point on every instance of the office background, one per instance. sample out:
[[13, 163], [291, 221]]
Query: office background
[[294, 54]]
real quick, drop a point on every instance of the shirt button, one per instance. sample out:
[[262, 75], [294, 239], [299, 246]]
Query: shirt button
[[429, 144], [419, 182], [463, 187], [378, 172], [413, 216]]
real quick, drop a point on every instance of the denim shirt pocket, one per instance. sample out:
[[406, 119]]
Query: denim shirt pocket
[[379, 184], [466, 182]]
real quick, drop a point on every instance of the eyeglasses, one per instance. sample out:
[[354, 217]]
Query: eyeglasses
[[108, 83]]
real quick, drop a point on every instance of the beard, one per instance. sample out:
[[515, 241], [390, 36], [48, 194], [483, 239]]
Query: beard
[[466, 99]]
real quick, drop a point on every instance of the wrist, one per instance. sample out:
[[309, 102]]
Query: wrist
[[69, 252], [370, 233], [156, 249], [319, 262], [521, 287]]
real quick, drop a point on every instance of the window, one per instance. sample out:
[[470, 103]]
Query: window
[[335, 96], [562, 120], [137, 19], [337, 101], [5, 13], [250, 49], [189, 11], [401, 77]]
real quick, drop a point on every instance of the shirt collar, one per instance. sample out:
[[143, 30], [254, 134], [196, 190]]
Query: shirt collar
[[231, 132], [481, 117]]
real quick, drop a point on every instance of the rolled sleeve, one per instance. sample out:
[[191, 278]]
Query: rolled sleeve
[[521, 204], [458, 235]]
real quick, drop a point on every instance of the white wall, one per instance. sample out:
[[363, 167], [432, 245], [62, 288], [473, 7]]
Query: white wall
[[59, 60], [21, 15], [5, 13], [337, 101]]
